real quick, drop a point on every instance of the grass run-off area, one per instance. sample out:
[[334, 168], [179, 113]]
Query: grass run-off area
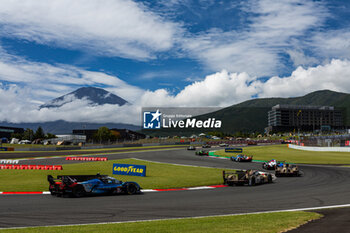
[[158, 175], [283, 153], [252, 223]]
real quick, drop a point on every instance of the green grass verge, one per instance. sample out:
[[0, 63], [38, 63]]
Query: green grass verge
[[158, 175], [283, 153], [262, 223], [99, 154]]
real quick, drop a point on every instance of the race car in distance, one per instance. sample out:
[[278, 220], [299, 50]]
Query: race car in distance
[[252, 143], [249, 177], [191, 148], [287, 170], [272, 164], [206, 146], [242, 158], [84, 185], [223, 145], [202, 152]]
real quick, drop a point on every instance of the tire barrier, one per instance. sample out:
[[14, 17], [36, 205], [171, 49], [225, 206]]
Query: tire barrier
[[79, 158], [132, 145], [8, 161], [32, 167]]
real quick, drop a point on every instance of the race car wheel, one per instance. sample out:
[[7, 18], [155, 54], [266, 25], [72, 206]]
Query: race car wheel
[[251, 181], [131, 188], [269, 178], [52, 191], [78, 191]]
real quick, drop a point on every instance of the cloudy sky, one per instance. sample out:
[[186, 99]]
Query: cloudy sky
[[167, 53]]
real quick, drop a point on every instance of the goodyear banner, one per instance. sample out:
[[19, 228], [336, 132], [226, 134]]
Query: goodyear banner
[[234, 150], [129, 169], [7, 149]]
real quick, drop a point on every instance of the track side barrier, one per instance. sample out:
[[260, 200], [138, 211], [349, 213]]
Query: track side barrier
[[310, 148], [8, 161], [32, 167], [79, 158]]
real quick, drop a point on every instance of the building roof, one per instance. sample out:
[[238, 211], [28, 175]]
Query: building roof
[[299, 107]]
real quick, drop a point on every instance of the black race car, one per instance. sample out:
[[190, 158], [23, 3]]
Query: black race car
[[202, 152], [83, 185], [206, 146]]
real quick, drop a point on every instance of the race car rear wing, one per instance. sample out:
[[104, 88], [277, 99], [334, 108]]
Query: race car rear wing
[[239, 173], [81, 178], [75, 178]]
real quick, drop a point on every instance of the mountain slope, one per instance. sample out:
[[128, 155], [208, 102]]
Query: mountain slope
[[96, 96], [251, 115], [319, 98]]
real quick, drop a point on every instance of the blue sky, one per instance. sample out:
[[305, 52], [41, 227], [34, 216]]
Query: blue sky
[[169, 52]]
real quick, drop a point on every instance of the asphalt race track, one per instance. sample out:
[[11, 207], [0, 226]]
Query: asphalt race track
[[320, 186], [28, 154]]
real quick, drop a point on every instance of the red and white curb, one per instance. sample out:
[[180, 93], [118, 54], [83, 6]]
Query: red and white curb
[[143, 190], [10, 193]]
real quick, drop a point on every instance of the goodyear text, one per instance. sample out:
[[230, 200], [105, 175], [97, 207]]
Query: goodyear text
[[129, 169]]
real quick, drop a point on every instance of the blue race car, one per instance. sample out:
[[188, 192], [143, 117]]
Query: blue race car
[[83, 185], [242, 158]]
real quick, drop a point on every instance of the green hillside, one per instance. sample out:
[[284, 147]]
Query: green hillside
[[251, 115], [318, 98]]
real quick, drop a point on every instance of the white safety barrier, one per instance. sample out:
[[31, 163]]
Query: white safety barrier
[[313, 148], [8, 161]]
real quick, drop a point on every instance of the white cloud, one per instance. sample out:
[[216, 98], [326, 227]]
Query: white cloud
[[50, 81], [331, 44], [332, 76], [25, 85], [299, 58], [18, 109], [219, 89], [158, 75], [224, 89], [257, 48], [110, 27]]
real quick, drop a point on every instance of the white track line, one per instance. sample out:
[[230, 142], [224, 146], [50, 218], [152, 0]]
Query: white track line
[[200, 188], [197, 217]]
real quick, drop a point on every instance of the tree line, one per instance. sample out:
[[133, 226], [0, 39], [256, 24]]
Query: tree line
[[30, 135]]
